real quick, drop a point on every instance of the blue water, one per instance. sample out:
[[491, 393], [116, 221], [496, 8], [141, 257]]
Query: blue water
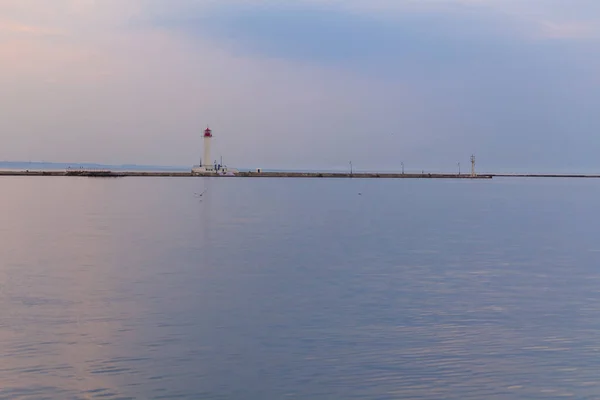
[[136, 288]]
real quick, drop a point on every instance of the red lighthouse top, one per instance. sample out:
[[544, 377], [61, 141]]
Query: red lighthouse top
[[207, 132]]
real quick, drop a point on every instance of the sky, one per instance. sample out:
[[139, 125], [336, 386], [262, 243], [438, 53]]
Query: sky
[[303, 84]]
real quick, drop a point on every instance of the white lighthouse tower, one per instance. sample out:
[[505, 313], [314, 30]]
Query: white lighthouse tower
[[207, 166], [206, 160]]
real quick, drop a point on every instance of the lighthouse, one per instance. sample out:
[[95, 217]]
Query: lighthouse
[[207, 167], [206, 160]]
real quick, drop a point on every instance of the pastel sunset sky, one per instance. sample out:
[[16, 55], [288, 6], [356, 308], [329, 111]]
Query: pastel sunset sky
[[303, 83]]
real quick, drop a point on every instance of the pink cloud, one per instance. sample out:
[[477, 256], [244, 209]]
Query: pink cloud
[[19, 28], [568, 30]]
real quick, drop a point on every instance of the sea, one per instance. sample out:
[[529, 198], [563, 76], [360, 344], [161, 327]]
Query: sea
[[268, 288]]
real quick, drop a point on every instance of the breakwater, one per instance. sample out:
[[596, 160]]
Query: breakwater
[[357, 175], [242, 174], [276, 174]]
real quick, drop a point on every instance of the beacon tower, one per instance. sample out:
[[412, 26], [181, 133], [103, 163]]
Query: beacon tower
[[207, 166], [206, 160]]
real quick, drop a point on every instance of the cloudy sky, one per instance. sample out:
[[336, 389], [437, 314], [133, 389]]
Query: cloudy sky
[[303, 83]]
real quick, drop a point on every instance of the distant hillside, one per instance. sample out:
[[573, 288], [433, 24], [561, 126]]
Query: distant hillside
[[38, 166]]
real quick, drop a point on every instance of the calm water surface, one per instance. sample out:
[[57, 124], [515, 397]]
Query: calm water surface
[[135, 288]]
